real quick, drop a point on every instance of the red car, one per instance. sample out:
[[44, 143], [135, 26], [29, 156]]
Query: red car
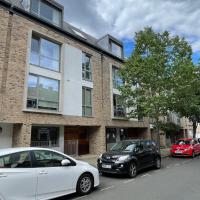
[[186, 147]]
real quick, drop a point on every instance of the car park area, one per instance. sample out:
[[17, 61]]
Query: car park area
[[47, 174], [177, 179]]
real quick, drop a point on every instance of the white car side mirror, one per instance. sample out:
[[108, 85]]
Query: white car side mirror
[[65, 162]]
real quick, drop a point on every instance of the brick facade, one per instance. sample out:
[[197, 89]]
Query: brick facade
[[14, 52], [21, 135]]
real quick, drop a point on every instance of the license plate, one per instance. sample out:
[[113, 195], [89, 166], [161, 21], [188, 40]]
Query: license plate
[[106, 166], [178, 151]]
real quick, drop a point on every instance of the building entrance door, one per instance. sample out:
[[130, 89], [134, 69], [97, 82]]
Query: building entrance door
[[76, 140]]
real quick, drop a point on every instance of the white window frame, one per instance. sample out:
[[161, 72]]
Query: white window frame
[[115, 116], [110, 47], [43, 72], [49, 4], [114, 77], [84, 106], [36, 98], [84, 70], [49, 40]]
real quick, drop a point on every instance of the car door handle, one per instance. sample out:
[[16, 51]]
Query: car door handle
[[43, 172], [3, 176]]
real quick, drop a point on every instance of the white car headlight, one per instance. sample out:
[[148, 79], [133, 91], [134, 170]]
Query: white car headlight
[[122, 159]]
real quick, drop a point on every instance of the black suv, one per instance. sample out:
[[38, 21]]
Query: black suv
[[129, 156]]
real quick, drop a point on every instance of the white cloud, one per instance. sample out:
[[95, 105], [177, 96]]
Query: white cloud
[[122, 18]]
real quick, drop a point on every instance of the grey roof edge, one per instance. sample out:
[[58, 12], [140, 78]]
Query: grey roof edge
[[15, 2], [90, 38], [112, 38], [20, 11], [56, 4]]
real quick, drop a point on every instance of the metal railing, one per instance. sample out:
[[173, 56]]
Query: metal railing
[[119, 112], [44, 143]]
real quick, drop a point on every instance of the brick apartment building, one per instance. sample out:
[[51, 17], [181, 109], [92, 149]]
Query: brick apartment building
[[58, 85]]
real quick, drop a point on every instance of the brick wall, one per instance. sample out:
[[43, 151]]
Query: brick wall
[[14, 51]]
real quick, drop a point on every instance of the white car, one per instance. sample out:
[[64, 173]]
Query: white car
[[38, 173]]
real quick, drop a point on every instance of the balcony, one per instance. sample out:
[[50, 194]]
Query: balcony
[[119, 112]]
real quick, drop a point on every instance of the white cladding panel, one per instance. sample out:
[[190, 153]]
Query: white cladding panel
[[72, 61], [6, 135]]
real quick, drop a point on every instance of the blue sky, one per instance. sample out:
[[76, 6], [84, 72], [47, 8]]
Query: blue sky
[[125, 17], [129, 47], [196, 57]]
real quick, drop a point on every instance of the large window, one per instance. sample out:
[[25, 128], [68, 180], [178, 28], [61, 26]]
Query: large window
[[45, 136], [87, 101], [116, 49], [86, 67], [45, 53], [43, 93], [118, 108], [46, 11], [117, 81]]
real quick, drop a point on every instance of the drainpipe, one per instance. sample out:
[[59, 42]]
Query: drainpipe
[[102, 84]]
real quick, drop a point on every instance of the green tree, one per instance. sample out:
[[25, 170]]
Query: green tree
[[186, 94], [148, 72], [169, 127]]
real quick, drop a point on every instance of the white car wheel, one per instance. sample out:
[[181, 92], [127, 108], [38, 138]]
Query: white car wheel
[[85, 184]]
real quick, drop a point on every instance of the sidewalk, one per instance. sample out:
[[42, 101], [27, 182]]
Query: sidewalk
[[92, 159], [165, 152]]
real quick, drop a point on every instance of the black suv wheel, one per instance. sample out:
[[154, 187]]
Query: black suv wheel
[[158, 163], [132, 172]]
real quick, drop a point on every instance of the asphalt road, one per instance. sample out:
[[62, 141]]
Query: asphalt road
[[178, 179]]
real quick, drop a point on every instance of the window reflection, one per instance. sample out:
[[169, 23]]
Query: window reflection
[[43, 93], [118, 108], [86, 67], [45, 53], [116, 49], [117, 80], [46, 11], [87, 101]]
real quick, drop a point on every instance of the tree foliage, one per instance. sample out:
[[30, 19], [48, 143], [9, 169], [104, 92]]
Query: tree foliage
[[186, 95], [149, 74], [169, 127]]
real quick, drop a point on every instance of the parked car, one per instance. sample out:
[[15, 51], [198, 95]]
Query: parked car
[[38, 173], [129, 156], [186, 147]]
